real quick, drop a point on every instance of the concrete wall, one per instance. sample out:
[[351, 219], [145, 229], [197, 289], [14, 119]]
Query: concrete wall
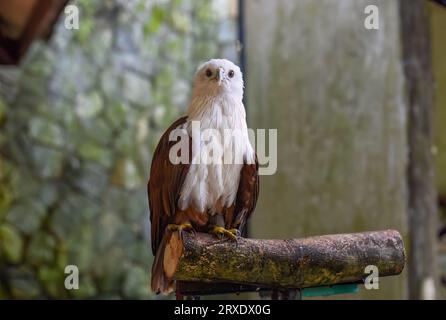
[[334, 91]]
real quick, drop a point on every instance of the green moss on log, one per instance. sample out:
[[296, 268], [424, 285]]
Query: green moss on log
[[294, 263]]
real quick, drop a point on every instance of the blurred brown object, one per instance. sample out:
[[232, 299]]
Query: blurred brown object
[[442, 233], [440, 2], [22, 21], [442, 201]]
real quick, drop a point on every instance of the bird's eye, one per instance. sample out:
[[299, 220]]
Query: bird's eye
[[208, 73], [231, 74]]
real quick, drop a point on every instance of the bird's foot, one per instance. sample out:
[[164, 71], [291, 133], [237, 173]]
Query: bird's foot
[[180, 227], [221, 232]]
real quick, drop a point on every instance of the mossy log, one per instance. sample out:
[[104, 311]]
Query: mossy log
[[295, 263]]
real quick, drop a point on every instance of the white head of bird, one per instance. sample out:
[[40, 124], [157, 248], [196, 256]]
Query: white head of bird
[[217, 95], [218, 77]]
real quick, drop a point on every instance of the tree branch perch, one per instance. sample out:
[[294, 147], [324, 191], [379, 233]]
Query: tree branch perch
[[295, 263]]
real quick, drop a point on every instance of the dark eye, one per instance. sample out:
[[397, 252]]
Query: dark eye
[[231, 74], [208, 73]]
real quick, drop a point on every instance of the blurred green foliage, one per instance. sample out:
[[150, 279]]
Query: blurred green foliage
[[79, 120]]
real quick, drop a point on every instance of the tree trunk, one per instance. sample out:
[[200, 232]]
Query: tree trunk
[[422, 196]]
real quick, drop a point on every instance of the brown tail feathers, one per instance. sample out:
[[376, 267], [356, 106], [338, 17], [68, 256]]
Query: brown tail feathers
[[166, 261]]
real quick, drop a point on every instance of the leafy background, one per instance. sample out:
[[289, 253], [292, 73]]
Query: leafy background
[[78, 121]]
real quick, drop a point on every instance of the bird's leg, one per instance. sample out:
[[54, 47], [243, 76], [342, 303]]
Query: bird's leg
[[181, 227], [217, 228], [240, 222]]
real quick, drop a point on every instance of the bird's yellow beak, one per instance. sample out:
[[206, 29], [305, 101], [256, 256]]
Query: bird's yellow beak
[[220, 75]]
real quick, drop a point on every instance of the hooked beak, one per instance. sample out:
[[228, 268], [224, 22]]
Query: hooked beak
[[220, 75]]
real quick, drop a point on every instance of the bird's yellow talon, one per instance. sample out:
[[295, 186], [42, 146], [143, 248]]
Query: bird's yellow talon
[[233, 231], [179, 227], [221, 232], [218, 230]]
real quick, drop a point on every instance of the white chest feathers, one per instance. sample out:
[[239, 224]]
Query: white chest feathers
[[218, 154]]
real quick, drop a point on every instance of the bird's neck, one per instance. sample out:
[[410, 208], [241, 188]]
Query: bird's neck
[[218, 112]]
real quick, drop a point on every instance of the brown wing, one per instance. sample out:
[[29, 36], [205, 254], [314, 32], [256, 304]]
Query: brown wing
[[247, 195], [164, 186]]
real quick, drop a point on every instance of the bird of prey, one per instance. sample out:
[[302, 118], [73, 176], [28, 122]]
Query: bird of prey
[[198, 195]]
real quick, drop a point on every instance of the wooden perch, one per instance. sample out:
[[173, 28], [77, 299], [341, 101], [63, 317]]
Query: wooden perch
[[295, 263]]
